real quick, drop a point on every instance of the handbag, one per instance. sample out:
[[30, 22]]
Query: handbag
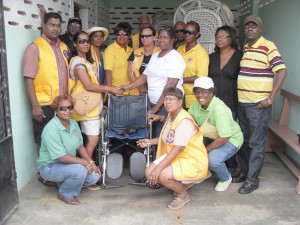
[[208, 130], [85, 101]]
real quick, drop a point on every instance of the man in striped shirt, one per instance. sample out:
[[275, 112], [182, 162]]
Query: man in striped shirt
[[256, 92]]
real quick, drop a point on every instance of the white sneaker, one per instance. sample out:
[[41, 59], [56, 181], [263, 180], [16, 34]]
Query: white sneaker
[[222, 186]]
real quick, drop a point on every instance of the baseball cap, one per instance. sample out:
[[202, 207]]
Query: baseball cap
[[254, 19], [74, 19], [204, 82]]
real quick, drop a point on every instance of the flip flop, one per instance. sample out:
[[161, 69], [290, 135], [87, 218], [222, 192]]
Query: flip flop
[[178, 203], [155, 186], [94, 187], [45, 182]]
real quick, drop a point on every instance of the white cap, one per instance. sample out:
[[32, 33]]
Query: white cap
[[204, 82]]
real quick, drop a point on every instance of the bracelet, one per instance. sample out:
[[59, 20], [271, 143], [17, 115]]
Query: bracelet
[[269, 101], [162, 119], [92, 162]]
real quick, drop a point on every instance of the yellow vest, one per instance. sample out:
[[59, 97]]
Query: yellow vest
[[46, 82], [138, 60], [135, 40], [94, 114], [192, 163]]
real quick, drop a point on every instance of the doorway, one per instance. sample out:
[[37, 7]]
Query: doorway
[[8, 186]]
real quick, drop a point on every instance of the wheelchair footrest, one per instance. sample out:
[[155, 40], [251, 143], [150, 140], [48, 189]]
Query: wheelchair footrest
[[137, 166], [114, 166]]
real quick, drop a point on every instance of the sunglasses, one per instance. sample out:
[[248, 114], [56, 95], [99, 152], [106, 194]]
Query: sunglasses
[[82, 41], [65, 108], [222, 37], [190, 32], [122, 34], [146, 35], [180, 31]]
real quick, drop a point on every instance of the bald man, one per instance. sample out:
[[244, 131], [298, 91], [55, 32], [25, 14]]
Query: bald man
[[180, 36], [135, 41]]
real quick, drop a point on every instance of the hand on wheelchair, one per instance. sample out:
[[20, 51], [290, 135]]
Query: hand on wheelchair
[[143, 143], [153, 117]]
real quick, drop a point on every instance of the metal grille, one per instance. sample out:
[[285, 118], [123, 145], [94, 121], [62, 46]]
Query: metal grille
[[8, 187]]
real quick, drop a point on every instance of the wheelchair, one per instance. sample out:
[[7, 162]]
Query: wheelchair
[[125, 121]]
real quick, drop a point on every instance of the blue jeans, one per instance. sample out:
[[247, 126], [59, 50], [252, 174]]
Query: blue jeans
[[254, 125], [217, 158], [70, 178]]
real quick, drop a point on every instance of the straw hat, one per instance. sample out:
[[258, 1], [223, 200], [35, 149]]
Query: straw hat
[[95, 29]]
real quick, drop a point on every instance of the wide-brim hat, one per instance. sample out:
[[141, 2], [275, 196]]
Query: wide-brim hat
[[96, 29]]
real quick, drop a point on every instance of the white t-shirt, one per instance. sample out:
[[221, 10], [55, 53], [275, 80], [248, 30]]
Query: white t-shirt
[[76, 62], [159, 70]]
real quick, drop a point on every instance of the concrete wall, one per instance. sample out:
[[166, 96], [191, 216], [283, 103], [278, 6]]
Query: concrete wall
[[281, 25], [21, 30]]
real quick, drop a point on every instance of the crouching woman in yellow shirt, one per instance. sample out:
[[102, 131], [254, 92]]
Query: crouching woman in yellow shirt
[[181, 158]]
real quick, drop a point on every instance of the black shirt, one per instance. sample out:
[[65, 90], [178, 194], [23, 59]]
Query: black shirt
[[64, 38], [225, 79]]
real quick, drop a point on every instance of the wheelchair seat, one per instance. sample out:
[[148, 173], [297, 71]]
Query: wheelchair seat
[[127, 117]]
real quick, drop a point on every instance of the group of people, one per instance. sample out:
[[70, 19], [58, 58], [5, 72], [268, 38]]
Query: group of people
[[205, 108]]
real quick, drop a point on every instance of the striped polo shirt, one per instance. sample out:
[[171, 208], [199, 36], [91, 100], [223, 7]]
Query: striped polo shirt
[[259, 64]]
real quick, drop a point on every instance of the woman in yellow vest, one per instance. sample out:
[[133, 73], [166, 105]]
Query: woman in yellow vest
[[140, 58], [97, 36], [181, 158], [196, 60], [83, 75]]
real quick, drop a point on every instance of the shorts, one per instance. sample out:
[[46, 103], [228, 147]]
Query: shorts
[[39, 126], [90, 127]]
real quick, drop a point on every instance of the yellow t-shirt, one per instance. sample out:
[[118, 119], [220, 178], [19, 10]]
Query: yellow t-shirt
[[115, 60], [197, 61]]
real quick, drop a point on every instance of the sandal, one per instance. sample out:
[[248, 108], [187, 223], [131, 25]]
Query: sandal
[[155, 186], [178, 203], [94, 187], [45, 182]]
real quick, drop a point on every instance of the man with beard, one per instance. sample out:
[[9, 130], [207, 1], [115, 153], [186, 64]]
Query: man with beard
[[74, 26]]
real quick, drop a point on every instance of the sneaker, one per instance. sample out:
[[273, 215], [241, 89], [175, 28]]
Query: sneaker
[[222, 186]]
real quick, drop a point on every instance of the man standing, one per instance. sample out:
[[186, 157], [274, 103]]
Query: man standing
[[45, 69], [135, 42], [74, 26], [180, 36], [256, 92]]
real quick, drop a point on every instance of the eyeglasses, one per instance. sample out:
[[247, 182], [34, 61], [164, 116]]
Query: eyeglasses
[[222, 37], [65, 108], [252, 26], [165, 28], [74, 24], [190, 32], [82, 41], [146, 35], [122, 34], [168, 99], [180, 31]]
